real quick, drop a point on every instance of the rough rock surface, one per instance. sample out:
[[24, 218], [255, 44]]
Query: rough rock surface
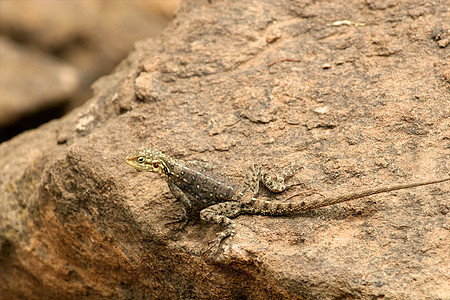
[[367, 104]]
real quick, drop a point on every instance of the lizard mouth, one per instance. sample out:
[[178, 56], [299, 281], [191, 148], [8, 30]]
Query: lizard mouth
[[131, 162]]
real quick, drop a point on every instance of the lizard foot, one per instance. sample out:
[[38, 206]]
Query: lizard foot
[[214, 246], [181, 219]]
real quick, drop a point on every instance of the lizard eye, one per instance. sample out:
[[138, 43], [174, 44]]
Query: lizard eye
[[155, 165], [140, 159]]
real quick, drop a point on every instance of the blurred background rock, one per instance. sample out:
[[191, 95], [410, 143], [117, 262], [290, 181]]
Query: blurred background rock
[[51, 52]]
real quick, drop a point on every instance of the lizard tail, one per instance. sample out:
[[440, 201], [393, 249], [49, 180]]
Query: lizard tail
[[273, 208]]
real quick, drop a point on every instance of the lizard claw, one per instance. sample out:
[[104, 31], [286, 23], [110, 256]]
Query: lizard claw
[[214, 246], [180, 219]]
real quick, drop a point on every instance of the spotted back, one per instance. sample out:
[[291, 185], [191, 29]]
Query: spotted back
[[202, 185]]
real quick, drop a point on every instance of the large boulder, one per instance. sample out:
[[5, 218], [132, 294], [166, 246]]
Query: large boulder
[[354, 92]]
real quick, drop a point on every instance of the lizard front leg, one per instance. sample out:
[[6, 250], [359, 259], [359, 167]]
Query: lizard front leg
[[183, 198], [221, 214]]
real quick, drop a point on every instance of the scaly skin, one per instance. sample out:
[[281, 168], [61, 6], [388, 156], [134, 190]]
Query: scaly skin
[[218, 200]]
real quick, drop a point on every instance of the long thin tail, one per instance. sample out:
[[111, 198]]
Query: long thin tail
[[262, 207]]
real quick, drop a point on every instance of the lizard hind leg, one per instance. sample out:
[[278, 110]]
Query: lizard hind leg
[[221, 214], [276, 183], [250, 186], [272, 181]]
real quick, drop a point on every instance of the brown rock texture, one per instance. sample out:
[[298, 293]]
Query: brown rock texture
[[52, 51], [50, 85], [90, 35], [366, 104]]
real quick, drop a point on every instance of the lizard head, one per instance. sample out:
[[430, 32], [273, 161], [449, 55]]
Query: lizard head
[[150, 160]]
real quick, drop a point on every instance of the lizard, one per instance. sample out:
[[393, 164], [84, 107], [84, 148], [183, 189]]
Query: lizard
[[218, 200]]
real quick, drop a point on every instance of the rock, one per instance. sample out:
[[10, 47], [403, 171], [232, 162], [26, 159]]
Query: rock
[[32, 81], [76, 222], [51, 52]]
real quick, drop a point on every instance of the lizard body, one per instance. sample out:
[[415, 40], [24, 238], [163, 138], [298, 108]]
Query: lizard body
[[193, 187], [218, 200]]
